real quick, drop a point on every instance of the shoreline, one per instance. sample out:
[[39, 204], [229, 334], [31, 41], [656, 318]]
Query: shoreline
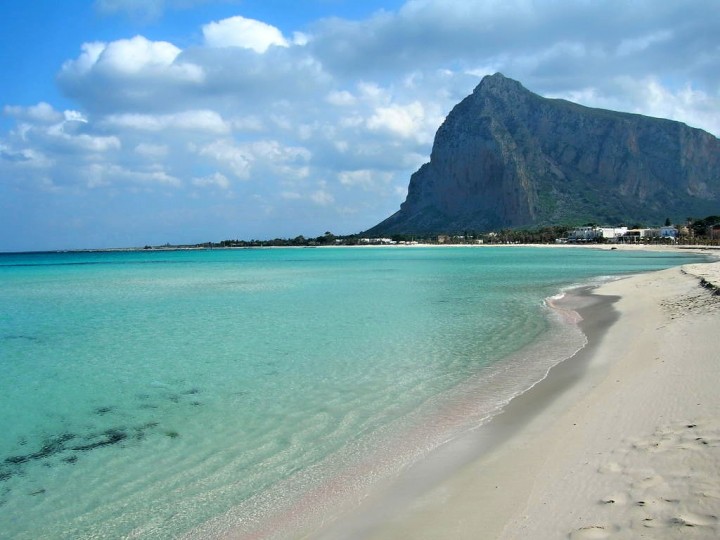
[[568, 458], [693, 248]]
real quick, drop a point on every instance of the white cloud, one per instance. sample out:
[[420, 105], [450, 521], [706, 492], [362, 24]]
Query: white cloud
[[214, 180], [372, 92], [75, 116], [136, 54], [88, 58], [42, 112], [322, 198], [105, 174], [635, 45], [131, 56], [154, 151], [694, 107], [650, 97], [300, 38], [226, 153], [403, 120], [275, 152], [200, 120], [366, 179], [128, 73], [241, 32], [248, 123], [24, 157], [82, 141], [341, 98]]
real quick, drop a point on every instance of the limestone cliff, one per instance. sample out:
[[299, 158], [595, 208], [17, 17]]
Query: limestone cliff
[[506, 157]]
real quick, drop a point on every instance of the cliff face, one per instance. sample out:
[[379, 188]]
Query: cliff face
[[505, 157]]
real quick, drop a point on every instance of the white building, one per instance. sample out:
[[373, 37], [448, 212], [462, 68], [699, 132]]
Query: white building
[[583, 234], [612, 233], [593, 234]]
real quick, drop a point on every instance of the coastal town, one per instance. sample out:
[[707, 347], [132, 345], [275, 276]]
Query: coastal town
[[705, 231]]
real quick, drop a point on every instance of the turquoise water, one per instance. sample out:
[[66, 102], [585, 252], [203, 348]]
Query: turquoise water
[[192, 393]]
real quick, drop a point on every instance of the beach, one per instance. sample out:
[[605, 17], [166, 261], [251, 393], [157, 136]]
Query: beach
[[620, 441]]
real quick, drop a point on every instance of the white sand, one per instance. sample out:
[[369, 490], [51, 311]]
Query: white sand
[[622, 443]]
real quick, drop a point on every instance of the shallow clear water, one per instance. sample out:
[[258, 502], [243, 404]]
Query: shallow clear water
[[154, 394]]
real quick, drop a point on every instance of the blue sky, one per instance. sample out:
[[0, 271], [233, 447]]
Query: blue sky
[[134, 122]]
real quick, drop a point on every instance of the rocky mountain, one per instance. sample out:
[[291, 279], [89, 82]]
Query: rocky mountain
[[506, 157]]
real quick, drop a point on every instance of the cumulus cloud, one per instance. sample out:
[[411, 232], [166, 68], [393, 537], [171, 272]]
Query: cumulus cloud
[[246, 33], [403, 120], [127, 57], [201, 120], [127, 74], [42, 112], [82, 141], [66, 136], [103, 174], [229, 156]]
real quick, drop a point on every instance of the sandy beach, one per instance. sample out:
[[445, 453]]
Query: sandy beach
[[621, 441]]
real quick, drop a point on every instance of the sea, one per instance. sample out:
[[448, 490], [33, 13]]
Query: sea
[[259, 393]]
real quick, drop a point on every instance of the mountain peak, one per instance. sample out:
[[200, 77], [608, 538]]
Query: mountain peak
[[497, 82], [506, 157]]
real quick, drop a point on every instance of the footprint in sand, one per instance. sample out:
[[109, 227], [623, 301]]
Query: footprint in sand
[[691, 519], [648, 481], [708, 494], [595, 531], [615, 498], [652, 523]]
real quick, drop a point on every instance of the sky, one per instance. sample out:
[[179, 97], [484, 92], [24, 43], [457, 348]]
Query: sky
[[143, 122]]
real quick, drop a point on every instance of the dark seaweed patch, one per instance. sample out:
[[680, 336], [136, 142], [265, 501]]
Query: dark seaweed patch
[[109, 437], [20, 337], [148, 406], [38, 492], [51, 447], [14, 465], [191, 392], [101, 411]]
